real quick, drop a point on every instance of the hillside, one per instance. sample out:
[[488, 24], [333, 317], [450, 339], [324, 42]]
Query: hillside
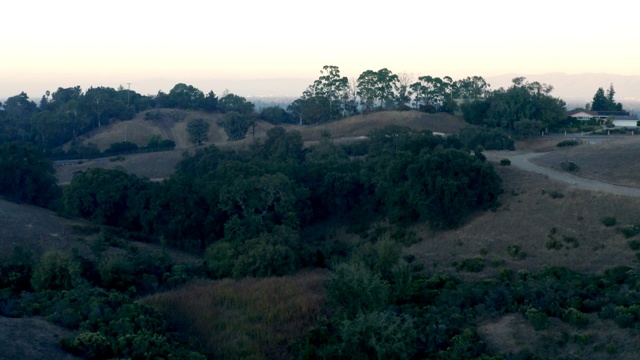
[[161, 165]]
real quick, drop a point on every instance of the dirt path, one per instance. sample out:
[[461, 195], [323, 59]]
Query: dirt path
[[523, 162]]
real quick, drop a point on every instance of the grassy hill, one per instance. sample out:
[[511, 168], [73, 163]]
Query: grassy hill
[[173, 126]]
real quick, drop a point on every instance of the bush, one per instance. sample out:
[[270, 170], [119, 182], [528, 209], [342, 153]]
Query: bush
[[566, 143], [569, 166], [575, 317], [355, 289], [537, 318], [630, 231], [486, 138], [376, 335], [123, 146], [608, 221], [476, 264], [56, 271], [553, 244]]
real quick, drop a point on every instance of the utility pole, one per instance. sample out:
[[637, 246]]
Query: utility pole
[[128, 92]]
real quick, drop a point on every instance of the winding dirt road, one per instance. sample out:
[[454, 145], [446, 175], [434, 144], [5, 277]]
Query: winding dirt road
[[523, 162]]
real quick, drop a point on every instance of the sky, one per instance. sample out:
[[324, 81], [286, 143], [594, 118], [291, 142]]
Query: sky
[[221, 45]]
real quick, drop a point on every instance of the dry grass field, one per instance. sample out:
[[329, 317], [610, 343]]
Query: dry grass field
[[534, 211]]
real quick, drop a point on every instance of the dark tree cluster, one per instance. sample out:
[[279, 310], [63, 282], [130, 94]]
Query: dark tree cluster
[[238, 201], [523, 109], [333, 96], [605, 102]]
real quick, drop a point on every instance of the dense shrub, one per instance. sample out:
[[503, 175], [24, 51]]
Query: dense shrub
[[486, 138], [608, 221], [353, 289], [566, 143], [120, 147], [56, 271]]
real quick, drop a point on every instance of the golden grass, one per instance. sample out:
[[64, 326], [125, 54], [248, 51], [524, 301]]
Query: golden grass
[[248, 318], [526, 217]]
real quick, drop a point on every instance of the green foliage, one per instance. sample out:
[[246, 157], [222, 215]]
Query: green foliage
[[608, 221], [630, 231], [569, 166], [602, 102], [377, 335], [524, 108], [103, 196], [56, 271], [380, 257], [566, 143], [275, 115], [120, 147], [418, 175], [268, 255], [234, 103], [236, 125], [539, 320], [486, 138], [198, 131], [576, 317], [554, 244], [515, 251], [354, 289], [182, 96], [219, 259], [116, 272], [475, 264], [25, 175]]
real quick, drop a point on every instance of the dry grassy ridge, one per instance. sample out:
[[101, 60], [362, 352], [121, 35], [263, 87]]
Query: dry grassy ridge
[[161, 165]]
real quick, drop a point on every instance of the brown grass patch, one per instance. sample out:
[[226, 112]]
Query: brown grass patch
[[611, 161], [257, 318], [512, 334], [526, 217]]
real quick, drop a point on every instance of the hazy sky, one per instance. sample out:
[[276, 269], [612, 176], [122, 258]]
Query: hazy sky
[[153, 45]]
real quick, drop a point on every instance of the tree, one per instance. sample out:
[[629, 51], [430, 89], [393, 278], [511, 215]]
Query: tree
[[599, 102], [234, 103], [377, 86], [25, 175], [602, 102], [210, 102], [184, 96], [198, 130], [236, 125]]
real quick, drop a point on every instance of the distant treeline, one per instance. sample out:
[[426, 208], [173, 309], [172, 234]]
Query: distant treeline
[[67, 113]]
